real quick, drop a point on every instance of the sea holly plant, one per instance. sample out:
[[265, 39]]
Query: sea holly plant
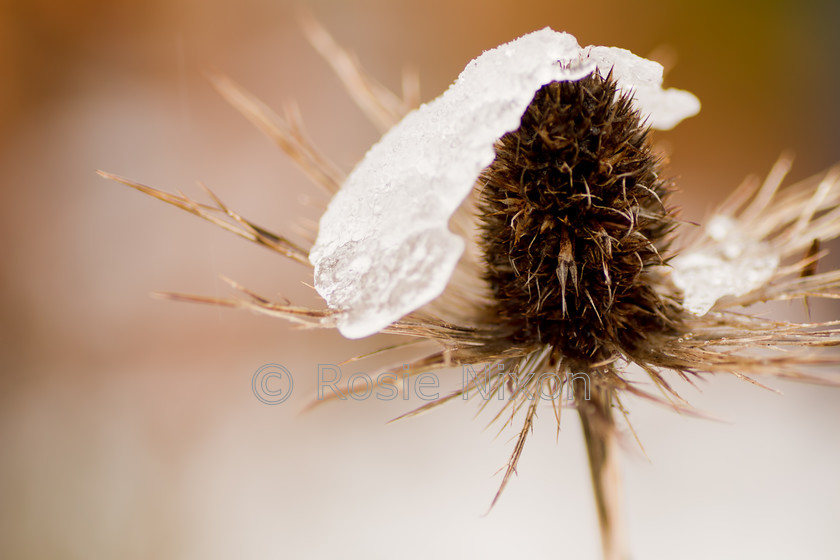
[[522, 222]]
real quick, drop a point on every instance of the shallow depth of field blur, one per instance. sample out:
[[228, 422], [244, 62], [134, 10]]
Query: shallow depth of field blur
[[128, 426]]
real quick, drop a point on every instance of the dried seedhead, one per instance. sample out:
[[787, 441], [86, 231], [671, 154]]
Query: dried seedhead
[[570, 266]]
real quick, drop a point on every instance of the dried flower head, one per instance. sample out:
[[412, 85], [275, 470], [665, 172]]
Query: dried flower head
[[522, 221]]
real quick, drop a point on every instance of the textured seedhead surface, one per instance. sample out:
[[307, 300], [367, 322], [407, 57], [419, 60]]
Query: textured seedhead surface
[[574, 220]]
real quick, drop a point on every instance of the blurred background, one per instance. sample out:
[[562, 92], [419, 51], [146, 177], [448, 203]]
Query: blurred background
[[128, 425]]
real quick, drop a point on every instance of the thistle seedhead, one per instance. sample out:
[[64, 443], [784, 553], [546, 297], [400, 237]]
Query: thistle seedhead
[[574, 224], [568, 267]]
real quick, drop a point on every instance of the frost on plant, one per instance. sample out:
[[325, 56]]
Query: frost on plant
[[384, 247], [733, 265]]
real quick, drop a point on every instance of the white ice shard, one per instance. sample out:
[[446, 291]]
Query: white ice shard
[[733, 265]]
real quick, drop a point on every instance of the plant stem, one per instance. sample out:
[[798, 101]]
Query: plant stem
[[599, 432]]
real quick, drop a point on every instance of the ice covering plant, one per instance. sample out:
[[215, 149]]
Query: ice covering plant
[[384, 247], [521, 221]]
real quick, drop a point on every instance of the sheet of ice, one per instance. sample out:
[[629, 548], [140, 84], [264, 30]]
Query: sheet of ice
[[734, 265], [384, 248], [665, 108]]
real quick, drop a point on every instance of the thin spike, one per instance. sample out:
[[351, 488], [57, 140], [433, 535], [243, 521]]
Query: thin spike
[[287, 134], [378, 103], [241, 227]]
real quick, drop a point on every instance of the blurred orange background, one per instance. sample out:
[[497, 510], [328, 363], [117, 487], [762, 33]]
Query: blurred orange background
[[128, 427]]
